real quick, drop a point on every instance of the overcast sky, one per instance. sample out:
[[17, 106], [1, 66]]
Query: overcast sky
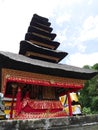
[[74, 21]]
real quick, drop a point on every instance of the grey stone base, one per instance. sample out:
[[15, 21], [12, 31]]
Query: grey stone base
[[67, 123]]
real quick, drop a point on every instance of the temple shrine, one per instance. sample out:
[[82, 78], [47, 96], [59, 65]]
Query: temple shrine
[[33, 80]]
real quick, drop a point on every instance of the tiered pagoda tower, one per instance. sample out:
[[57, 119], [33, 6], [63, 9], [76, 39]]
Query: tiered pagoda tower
[[39, 41], [34, 79]]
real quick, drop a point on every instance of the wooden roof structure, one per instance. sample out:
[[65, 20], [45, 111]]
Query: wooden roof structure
[[21, 62], [37, 52]]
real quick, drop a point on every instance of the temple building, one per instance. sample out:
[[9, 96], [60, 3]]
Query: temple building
[[34, 79]]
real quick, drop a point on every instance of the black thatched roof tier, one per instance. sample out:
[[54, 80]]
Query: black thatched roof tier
[[42, 41], [36, 16], [41, 20], [41, 26], [20, 62], [41, 33], [36, 52]]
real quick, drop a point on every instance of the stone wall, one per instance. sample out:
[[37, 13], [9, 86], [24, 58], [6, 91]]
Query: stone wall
[[67, 123]]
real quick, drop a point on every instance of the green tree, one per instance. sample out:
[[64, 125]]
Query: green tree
[[95, 66], [94, 106], [89, 94]]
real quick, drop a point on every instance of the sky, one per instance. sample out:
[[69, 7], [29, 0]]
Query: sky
[[74, 21]]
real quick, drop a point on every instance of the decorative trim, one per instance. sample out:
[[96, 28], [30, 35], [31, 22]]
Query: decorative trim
[[28, 53], [38, 79]]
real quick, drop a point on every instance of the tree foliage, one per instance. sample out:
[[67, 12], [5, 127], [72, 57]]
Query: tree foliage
[[89, 94]]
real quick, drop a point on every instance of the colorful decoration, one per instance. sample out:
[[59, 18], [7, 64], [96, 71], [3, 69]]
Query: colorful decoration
[[39, 109]]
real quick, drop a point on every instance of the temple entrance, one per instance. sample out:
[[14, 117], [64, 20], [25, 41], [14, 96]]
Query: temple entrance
[[37, 92], [41, 101]]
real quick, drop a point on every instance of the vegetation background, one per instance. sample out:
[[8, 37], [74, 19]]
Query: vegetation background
[[88, 96]]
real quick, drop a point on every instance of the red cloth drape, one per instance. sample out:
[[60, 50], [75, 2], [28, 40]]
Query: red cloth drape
[[41, 105], [40, 109]]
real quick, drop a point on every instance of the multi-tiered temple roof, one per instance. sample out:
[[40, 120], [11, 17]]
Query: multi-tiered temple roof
[[39, 41], [38, 53]]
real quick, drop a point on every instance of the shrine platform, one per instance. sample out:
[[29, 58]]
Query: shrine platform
[[89, 122]]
